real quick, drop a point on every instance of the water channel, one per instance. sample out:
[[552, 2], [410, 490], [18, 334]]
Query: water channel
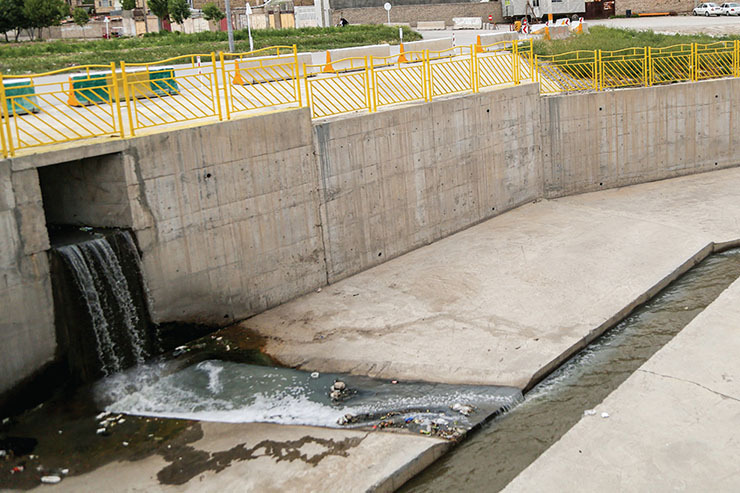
[[505, 446]]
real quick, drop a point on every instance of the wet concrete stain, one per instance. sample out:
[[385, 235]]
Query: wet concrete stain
[[186, 462]]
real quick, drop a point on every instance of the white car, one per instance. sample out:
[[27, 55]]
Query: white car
[[730, 8], [708, 9]]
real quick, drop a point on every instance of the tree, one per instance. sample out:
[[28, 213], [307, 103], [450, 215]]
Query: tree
[[128, 4], [179, 10], [80, 17], [160, 8], [211, 12], [12, 17], [44, 13]]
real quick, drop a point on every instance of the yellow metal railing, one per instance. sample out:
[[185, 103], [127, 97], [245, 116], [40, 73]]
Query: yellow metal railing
[[60, 106], [333, 91], [159, 94], [260, 79], [399, 82], [91, 101]]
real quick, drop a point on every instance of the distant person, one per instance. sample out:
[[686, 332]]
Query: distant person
[[343, 22]]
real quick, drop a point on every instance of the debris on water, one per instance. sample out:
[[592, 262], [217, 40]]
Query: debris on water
[[315, 374], [604, 415], [346, 419], [318, 290], [33, 457], [6, 421], [335, 395], [180, 350], [464, 409], [102, 415], [339, 385], [64, 471], [3, 453], [589, 412], [394, 382], [121, 421], [85, 228], [101, 431], [16, 469], [219, 338], [125, 444], [50, 479]]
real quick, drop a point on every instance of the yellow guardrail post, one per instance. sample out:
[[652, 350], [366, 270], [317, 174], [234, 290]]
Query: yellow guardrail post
[[473, 73], [531, 58], [694, 69], [129, 98], [515, 62], [598, 71], [737, 58], [369, 92], [428, 80], [214, 88], [536, 71], [649, 66], [3, 118], [297, 77], [373, 78], [116, 97], [225, 82]]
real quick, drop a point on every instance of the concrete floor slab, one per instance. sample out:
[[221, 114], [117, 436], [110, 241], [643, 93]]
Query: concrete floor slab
[[266, 458], [504, 302], [673, 425]]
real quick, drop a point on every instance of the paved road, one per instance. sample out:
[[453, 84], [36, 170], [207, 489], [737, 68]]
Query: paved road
[[714, 26]]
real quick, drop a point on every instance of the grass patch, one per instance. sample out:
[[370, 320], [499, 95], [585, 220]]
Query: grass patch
[[610, 39], [42, 56]]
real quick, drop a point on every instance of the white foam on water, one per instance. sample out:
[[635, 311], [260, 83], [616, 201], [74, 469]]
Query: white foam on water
[[237, 393]]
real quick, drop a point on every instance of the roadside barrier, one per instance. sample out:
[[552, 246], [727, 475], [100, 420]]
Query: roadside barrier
[[156, 94], [59, 106], [106, 101]]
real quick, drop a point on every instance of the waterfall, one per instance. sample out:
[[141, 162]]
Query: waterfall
[[101, 308]]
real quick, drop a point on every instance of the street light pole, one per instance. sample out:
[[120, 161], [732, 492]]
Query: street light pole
[[229, 28]]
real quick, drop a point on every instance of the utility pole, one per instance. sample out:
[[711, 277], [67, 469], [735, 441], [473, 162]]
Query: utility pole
[[229, 28]]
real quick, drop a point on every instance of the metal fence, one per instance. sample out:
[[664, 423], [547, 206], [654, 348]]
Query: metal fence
[[109, 101]]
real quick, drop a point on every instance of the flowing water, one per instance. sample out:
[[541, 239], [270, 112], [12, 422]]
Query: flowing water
[[225, 391], [99, 302], [490, 459]]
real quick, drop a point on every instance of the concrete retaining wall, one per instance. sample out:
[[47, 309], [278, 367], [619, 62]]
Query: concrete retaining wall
[[615, 138], [239, 216], [399, 179]]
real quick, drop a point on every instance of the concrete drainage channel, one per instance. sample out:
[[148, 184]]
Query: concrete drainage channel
[[504, 447]]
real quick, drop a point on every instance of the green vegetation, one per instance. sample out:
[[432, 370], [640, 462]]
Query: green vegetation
[[35, 57], [128, 4], [608, 39], [179, 10], [211, 12]]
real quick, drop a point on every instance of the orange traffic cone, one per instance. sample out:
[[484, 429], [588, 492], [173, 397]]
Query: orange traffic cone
[[328, 68], [401, 56], [72, 99], [237, 75], [478, 46]]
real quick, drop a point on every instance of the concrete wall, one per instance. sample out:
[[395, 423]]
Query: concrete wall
[[239, 216], [415, 13], [27, 321], [615, 138], [399, 179], [647, 6]]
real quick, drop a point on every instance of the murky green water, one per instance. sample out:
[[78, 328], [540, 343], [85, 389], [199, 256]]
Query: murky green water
[[507, 445]]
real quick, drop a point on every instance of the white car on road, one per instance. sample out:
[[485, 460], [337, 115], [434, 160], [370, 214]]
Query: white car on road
[[708, 9], [730, 8]]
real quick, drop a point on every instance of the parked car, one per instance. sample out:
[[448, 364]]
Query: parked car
[[730, 8], [708, 9]]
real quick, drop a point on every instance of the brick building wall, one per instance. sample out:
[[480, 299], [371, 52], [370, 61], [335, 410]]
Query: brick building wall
[[645, 6], [414, 13]]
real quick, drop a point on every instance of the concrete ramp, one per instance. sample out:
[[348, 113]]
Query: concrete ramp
[[506, 301]]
